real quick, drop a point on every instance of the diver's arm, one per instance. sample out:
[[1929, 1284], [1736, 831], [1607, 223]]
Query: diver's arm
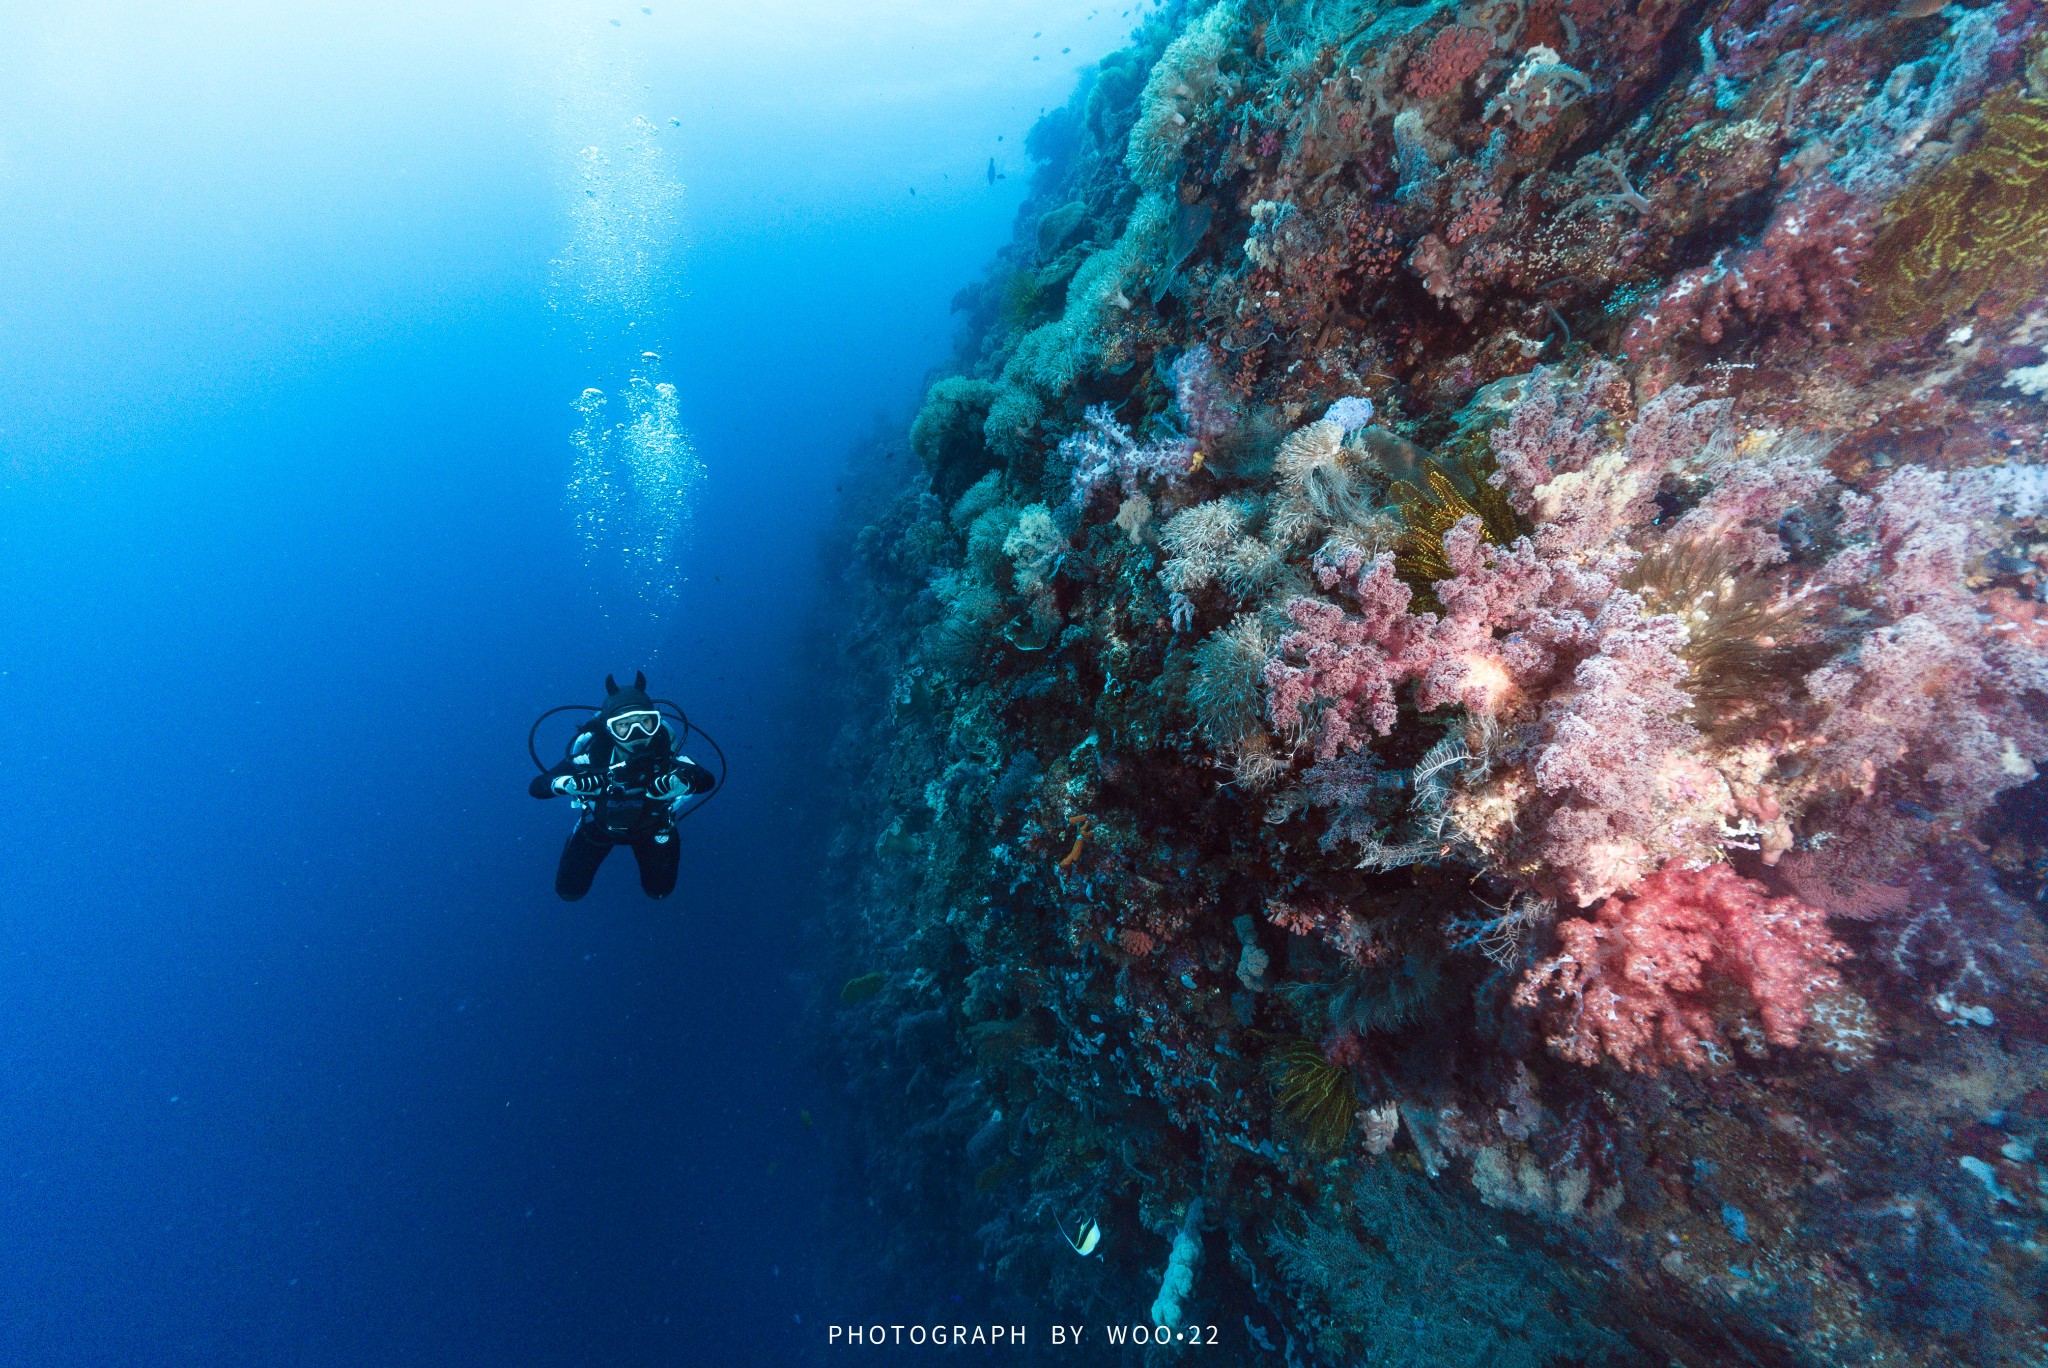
[[572, 775], [695, 777], [684, 778]]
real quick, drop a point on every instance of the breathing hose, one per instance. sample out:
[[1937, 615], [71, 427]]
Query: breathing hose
[[685, 728]]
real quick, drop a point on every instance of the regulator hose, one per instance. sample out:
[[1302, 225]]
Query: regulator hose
[[685, 728]]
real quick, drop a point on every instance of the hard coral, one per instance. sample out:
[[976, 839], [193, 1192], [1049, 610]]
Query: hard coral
[[1452, 58], [1666, 974]]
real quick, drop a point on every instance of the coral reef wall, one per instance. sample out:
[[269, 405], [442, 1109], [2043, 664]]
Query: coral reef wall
[[1444, 740]]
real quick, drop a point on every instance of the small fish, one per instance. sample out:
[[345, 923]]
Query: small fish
[[1091, 1236], [991, 170], [860, 989], [805, 1117]]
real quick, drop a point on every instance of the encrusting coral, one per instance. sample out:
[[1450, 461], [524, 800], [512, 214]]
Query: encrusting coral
[[1459, 691]]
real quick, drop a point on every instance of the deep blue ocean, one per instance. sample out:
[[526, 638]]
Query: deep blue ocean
[[301, 1061]]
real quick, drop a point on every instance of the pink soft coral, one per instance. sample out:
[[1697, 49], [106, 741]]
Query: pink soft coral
[[1649, 978], [1510, 616], [1559, 426], [1943, 691], [1337, 670], [1612, 744]]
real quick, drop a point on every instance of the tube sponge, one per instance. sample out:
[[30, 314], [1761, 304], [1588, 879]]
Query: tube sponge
[[1170, 1306]]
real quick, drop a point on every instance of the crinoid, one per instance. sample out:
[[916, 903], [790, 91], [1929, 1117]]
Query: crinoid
[[1742, 631], [1449, 488], [1025, 299], [1316, 1095]]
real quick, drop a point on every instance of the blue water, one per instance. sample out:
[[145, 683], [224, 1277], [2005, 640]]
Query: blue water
[[300, 1060]]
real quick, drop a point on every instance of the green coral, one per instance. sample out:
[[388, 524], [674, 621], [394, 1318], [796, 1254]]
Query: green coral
[[1403, 1273], [1183, 83], [1058, 228], [1228, 691], [861, 989]]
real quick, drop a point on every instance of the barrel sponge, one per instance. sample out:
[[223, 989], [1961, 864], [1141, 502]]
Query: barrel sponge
[[1169, 1308]]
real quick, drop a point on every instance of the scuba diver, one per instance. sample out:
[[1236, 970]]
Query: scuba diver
[[625, 775]]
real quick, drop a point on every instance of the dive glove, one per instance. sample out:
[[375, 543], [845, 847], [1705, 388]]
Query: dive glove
[[667, 784], [580, 785]]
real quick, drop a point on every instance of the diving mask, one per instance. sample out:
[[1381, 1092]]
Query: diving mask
[[628, 727]]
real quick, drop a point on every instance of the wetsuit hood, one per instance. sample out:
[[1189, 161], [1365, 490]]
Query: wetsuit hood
[[624, 699]]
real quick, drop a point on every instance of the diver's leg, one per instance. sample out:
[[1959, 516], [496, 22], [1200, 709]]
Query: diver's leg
[[581, 856], [658, 853]]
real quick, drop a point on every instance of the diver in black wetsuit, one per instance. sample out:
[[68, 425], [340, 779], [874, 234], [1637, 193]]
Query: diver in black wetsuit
[[624, 772]]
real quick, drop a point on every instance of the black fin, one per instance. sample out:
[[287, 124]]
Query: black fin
[[611, 686], [640, 680]]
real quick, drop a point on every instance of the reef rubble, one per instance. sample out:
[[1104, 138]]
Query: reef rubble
[[1443, 739]]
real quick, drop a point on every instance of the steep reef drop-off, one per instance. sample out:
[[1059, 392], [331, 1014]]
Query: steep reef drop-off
[[1444, 741]]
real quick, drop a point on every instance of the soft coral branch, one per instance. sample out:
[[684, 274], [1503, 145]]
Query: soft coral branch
[[1648, 979], [1336, 673]]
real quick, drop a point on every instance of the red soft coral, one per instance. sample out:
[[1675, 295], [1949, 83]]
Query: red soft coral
[[1362, 942], [1651, 977]]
